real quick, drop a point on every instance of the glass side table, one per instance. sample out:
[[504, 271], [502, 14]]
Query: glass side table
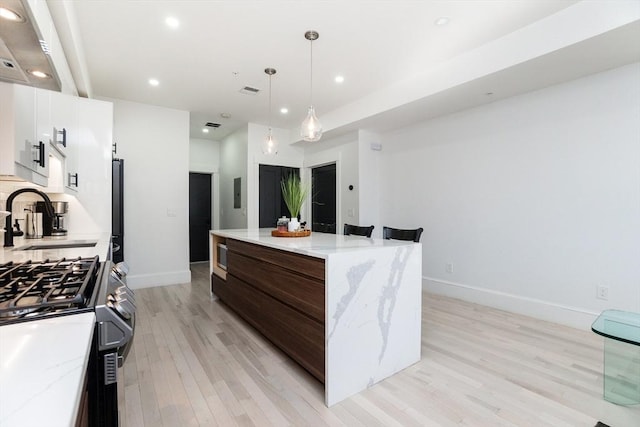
[[621, 330]]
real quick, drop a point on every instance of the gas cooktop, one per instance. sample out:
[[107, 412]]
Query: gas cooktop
[[39, 289]]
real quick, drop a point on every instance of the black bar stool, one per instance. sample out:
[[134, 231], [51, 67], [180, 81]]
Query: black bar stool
[[399, 234], [357, 230]]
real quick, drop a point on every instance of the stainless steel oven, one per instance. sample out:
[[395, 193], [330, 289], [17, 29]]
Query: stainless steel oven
[[115, 325]]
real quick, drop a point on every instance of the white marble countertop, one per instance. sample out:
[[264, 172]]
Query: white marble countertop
[[15, 254], [42, 368], [318, 245]]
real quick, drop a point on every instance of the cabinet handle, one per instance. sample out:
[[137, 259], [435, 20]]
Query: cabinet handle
[[62, 133], [40, 159], [73, 179]]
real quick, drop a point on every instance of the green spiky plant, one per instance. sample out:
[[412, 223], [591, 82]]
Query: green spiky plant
[[294, 193]]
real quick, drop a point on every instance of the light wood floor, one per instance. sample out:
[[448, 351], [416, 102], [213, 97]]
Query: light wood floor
[[195, 363]]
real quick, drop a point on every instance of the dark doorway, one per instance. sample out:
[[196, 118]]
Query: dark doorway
[[199, 216], [323, 190], [272, 206]]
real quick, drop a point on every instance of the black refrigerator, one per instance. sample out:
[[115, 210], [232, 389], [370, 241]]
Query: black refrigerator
[[117, 210]]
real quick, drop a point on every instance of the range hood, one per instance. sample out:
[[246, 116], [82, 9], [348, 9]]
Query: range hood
[[24, 49]]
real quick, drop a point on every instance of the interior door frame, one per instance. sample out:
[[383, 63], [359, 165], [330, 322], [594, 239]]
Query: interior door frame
[[324, 160], [215, 196]]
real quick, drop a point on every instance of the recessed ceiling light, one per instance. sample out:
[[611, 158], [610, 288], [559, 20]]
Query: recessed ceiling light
[[339, 79], [205, 130], [10, 15], [225, 115], [154, 82], [284, 110], [172, 22], [443, 20], [39, 74]]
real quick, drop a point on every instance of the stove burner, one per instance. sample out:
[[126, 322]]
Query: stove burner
[[31, 288]]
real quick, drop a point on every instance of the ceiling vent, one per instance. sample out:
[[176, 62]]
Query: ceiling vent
[[248, 90], [212, 125]]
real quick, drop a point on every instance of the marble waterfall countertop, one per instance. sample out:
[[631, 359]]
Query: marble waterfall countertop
[[42, 368], [373, 304], [319, 245]]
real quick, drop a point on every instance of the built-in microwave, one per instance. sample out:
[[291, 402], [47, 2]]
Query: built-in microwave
[[222, 256]]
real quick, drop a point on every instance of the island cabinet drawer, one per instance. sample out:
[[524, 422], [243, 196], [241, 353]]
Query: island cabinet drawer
[[309, 266], [301, 337], [218, 286], [302, 293]]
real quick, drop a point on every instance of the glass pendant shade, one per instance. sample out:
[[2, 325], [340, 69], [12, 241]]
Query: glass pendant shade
[[269, 145], [311, 129]]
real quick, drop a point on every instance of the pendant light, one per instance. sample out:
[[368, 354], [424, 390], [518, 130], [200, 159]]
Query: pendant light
[[311, 129], [270, 145]]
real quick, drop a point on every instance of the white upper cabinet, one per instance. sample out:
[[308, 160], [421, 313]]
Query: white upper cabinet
[[23, 144], [66, 129], [38, 126], [44, 131]]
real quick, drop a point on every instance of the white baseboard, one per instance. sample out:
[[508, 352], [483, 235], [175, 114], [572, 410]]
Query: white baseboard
[[138, 281], [539, 309]]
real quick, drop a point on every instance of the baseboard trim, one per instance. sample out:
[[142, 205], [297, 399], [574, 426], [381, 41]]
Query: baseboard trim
[[139, 281], [545, 310]]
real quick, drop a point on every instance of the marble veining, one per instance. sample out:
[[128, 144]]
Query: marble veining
[[389, 295], [354, 277]]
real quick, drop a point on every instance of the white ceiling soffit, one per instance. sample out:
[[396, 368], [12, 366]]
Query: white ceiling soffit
[[65, 21], [591, 56], [601, 38]]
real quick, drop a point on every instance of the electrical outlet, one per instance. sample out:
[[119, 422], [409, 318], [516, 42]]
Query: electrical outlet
[[449, 267], [602, 292]]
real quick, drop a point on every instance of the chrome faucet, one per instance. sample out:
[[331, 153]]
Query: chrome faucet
[[8, 234]]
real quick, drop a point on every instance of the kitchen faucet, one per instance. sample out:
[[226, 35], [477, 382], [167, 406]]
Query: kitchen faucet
[[8, 235]]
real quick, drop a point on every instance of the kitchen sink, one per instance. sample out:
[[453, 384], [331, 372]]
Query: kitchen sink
[[67, 244]]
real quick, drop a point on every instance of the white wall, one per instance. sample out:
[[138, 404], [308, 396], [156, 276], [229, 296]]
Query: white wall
[[369, 155], [288, 155], [233, 164], [204, 157], [535, 200], [154, 143]]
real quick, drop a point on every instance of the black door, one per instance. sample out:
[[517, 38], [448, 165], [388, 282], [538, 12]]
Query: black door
[[272, 206], [199, 216], [323, 201]]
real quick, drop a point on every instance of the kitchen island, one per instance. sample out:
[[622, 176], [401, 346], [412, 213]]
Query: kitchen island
[[346, 308]]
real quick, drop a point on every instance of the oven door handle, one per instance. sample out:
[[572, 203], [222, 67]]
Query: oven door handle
[[123, 351]]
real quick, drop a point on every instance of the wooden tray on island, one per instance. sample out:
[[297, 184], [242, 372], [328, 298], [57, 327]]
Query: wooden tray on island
[[301, 233]]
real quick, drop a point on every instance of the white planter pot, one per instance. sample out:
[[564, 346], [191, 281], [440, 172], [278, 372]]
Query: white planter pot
[[294, 225]]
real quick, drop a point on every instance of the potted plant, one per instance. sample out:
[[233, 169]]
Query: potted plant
[[294, 193]]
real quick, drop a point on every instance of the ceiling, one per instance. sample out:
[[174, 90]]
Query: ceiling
[[219, 47]]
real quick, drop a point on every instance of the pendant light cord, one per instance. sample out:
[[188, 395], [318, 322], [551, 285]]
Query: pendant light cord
[[311, 73], [270, 75]]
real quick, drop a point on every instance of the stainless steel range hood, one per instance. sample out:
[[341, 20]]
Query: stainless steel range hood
[[23, 49]]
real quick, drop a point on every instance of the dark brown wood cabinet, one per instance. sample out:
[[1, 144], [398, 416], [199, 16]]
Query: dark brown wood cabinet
[[282, 295]]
